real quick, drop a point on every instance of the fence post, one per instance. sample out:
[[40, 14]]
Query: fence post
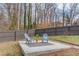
[[68, 30], [15, 35], [55, 30]]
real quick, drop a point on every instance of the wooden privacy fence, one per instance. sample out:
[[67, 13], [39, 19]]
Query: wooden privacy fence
[[67, 30], [11, 36], [14, 35], [19, 35]]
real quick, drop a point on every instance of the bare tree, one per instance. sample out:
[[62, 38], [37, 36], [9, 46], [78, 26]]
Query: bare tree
[[72, 12], [20, 15], [30, 16], [64, 5]]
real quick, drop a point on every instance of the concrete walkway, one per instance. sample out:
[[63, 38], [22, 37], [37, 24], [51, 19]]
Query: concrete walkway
[[53, 46]]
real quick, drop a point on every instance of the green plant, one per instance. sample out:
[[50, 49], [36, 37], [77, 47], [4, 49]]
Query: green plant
[[37, 37]]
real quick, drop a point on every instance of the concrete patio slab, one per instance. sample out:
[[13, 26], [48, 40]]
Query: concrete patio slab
[[37, 48]]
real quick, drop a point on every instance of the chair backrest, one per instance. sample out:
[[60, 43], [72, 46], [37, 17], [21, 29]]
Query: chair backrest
[[28, 39], [45, 38]]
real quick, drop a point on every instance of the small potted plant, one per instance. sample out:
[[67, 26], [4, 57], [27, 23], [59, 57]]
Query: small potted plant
[[37, 37]]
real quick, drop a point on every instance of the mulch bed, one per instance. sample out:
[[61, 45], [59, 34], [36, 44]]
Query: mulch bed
[[63, 52], [39, 44]]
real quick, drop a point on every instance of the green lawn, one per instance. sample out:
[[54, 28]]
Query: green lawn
[[72, 39]]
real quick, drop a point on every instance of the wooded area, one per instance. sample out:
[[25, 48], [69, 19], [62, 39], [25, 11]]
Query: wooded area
[[22, 16]]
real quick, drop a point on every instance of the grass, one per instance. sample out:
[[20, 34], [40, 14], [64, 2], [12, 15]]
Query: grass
[[71, 39], [64, 52], [10, 49]]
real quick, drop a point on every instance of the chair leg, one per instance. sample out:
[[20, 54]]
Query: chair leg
[[42, 41]]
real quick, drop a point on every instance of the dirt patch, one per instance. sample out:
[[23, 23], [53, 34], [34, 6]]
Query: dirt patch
[[63, 52]]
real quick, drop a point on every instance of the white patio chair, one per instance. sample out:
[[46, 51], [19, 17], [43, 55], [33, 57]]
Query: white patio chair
[[28, 39], [45, 38]]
